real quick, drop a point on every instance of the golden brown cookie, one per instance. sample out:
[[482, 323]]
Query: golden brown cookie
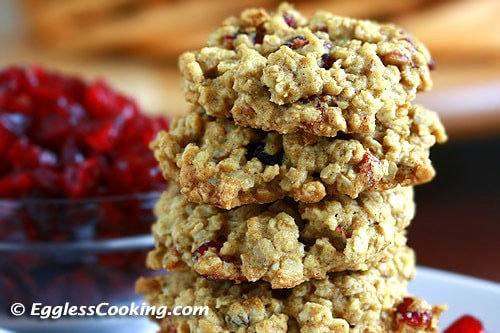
[[368, 301], [218, 163], [282, 72], [284, 243]]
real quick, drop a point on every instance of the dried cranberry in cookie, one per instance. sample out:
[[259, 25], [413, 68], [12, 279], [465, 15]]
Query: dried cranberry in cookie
[[413, 314]]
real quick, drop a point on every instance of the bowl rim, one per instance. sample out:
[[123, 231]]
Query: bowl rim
[[75, 201], [143, 241]]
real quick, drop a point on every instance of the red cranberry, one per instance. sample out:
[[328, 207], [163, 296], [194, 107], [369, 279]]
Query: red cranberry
[[228, 40], [341, 231], [101, 100], [414, 318], [80, 179], [297, 42], [258, 36], [51, 130], [365, 166], [290, 20], [23, 155], [141, 129], [466, 324], [48, 180], [15, 185], [103, 137], [16, 123], [69, 153], [431, 64], [216, 244]]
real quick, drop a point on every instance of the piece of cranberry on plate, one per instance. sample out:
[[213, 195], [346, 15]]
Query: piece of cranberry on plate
[[466, 324]]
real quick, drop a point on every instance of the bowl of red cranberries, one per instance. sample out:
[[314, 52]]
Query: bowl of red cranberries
[[77, 188]]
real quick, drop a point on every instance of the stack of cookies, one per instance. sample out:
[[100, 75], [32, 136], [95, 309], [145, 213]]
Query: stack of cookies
[[291, 179]]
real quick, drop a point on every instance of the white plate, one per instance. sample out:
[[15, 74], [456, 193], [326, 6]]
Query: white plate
[[464, 295], [129, 325]]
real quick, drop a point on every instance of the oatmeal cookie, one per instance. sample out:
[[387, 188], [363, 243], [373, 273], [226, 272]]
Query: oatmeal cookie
[[218, 163], [285, 243], [281, 72], [344, 302]]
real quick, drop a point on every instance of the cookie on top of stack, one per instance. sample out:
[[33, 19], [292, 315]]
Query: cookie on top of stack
[[291, 178]]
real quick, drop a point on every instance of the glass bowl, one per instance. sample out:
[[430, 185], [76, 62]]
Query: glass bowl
[[84, 251]]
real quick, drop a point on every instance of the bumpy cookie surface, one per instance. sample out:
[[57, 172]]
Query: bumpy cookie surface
[[285, 243], [344, 302], [218, 163], [281, 72]]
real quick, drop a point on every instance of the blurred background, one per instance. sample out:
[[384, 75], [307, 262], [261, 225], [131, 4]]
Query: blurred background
[[135, 44]]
